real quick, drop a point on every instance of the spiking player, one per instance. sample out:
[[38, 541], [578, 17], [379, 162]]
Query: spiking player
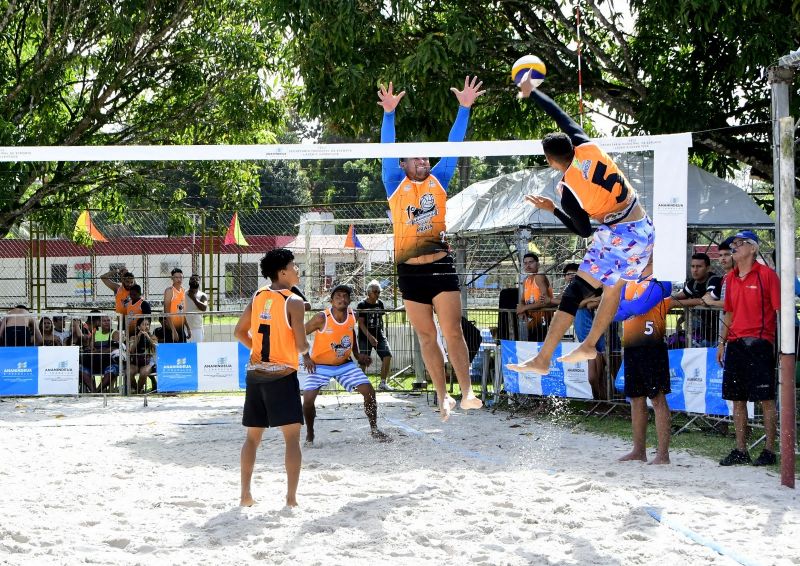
[[592, 188]]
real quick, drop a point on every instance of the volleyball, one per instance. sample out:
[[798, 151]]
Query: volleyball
[[528, 63]]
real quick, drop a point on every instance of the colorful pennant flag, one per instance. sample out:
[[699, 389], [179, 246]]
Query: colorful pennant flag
[[352, 240], [234, 235], [84, 225]]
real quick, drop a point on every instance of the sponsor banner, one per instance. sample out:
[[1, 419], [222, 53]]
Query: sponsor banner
[[218, 366], [177, 367], [696, 383], [244, 358], [19, 371], [670, 209], [563, 380], [48, 370], [59, 370]]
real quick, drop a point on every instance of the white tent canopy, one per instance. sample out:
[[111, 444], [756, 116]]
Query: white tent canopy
[[498, 205]]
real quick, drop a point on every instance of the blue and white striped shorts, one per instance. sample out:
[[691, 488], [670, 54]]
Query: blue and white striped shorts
[[349, 375]]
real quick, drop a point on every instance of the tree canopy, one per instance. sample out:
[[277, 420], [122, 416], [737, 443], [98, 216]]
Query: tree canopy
[[91, 72], [669, 66]]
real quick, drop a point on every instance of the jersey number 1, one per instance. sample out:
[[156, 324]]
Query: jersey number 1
[[263, 329]]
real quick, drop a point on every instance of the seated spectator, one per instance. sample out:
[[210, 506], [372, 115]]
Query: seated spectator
[[141, 348], [693, 294], [49, 337], [537, 294], [103, 356], [60, 329], [18, 328]]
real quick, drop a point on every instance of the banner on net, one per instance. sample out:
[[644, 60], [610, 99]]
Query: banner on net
[[696, 383], [564, 379], [45, 370], [207, 366]]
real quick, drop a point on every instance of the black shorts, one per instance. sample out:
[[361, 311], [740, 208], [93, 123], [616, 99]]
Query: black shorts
[[749, 373], [421, 283], [646, 371], [272, 403], [382, 348]]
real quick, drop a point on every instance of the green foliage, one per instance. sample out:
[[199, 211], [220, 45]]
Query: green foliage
[[679, 65], [91, 72]]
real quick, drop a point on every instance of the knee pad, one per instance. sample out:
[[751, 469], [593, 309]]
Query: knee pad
[[576, 292]]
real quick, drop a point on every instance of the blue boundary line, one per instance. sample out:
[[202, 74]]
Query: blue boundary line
[[691, 535]]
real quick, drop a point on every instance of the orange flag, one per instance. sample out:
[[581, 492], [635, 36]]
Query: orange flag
[[352, 240], [84, 225], [234, 235]]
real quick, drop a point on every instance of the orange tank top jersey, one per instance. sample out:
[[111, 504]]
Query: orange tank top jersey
[[334, 343], [135, 309], [600, 187], [418, 210], [270, 331], [122, 299], [531, 294], [177, 306], [648, 328]]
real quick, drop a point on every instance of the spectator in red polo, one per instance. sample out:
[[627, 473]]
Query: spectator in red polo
[[747, 345]]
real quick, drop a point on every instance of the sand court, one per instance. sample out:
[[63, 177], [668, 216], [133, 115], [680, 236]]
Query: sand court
[[127, 484]]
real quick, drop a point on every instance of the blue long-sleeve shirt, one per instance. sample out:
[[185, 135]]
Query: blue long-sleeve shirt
[[656, 292], [443, 170]]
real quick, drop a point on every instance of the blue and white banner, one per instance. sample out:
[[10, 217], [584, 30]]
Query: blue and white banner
[[696, 383], [49, 370], [176, 365], [564, 379], [207, 366], [217, 366]]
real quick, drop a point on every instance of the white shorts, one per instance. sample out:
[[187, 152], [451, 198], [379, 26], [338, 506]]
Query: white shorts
[[349, 375]]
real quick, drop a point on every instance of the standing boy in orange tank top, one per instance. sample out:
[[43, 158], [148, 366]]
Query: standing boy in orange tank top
[[272, 328], [174, 308]]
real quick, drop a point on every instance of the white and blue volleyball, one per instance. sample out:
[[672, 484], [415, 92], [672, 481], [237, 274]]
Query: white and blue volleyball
[[529, 63]]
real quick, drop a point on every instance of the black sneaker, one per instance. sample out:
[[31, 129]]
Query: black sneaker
[[766, 458], [735, 458]]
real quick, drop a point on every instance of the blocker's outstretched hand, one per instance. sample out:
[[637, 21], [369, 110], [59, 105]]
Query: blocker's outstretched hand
[[471, 91], [541, 202], [388, 100]]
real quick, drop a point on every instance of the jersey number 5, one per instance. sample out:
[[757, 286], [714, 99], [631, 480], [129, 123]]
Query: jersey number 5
[[599, 178]]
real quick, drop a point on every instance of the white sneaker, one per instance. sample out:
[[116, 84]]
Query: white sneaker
[[384, 387]]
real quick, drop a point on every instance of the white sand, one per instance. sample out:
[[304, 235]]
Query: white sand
[[126, 484]]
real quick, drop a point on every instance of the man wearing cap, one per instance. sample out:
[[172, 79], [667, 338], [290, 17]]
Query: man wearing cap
[[331, 357], [746, 348]]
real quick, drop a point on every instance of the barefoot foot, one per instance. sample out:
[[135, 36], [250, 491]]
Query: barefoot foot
[[533, 365], [660, 460], [635, 455], [291, 501], [246, 500], [445, 408], [582, 353], [471, 402]]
